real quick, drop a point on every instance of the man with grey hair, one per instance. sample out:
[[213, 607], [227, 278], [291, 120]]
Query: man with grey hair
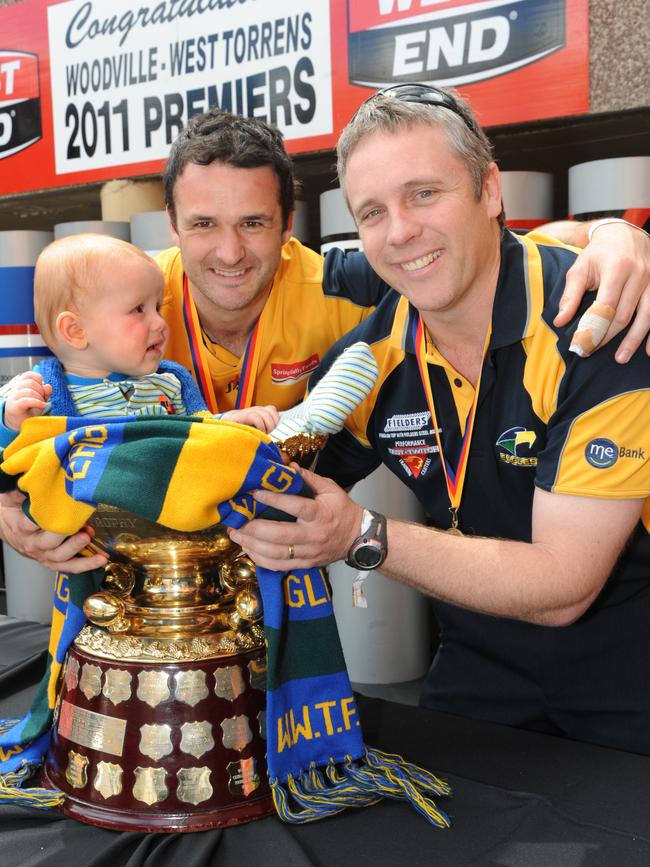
[[530, 461]]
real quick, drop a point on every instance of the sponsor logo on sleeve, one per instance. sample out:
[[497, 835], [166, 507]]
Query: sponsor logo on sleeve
[[20, 104], [603, 453]]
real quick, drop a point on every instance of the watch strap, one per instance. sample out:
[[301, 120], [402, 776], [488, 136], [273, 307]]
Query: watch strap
[[373, 533]]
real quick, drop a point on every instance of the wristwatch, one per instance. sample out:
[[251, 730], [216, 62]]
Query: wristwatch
[[369, 549]]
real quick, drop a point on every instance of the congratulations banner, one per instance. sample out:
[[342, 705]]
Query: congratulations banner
[[125, 80], [91, 90]]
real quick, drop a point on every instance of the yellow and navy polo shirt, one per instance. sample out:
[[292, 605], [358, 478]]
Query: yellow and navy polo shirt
[[308, 309], [545, 418]]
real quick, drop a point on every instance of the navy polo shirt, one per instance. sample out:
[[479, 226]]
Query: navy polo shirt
[[545, 418]]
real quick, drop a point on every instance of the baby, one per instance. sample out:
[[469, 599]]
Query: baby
[[97, 306]]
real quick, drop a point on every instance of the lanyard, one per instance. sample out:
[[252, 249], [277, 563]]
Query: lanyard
[[250, 361], [454, 478], [197, 350], [249, 366]]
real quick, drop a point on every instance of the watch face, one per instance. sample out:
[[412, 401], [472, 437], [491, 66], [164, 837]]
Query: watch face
[[368, 556]]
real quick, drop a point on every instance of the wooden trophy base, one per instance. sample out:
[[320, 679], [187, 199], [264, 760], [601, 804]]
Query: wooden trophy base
[[161, 746]]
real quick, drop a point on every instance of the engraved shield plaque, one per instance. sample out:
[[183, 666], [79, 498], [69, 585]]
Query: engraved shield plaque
[[153, 687], [71, 673], [117, 685], [90, 682], [150, 786], [155, 740], [236, 732], [76, 773], [196, 738], [257, 673], [243, 778], [229, 682], [191, 687], [108, 779], [194, 785]]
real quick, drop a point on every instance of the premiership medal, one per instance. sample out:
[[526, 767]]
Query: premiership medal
[[454, 530]]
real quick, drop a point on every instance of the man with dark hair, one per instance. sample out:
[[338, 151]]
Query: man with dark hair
[[249, 309], [531, 462], [252, 311], [242, 142]]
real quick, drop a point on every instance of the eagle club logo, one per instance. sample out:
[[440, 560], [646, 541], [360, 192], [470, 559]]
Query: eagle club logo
[[393, 41], [20, 104], [515, 447]]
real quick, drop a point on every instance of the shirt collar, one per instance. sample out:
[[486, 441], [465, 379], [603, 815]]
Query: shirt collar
[[73, 379]]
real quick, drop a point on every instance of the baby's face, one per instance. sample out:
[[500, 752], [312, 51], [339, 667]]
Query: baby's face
[[123, 325]]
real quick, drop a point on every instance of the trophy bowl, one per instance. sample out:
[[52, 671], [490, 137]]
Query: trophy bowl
[[160, 718]]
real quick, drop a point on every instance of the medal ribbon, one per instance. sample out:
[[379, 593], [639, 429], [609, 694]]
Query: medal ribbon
[[197, 350], [454, 479], [249, 366], [250, 361]]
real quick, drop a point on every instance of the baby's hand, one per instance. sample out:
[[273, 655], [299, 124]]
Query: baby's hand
[[264, 418], [27, 398]]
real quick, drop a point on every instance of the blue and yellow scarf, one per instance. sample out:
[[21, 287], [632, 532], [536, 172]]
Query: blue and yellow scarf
[[189, 474]]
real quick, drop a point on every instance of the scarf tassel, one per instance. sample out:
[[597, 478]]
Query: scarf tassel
[[319, 793], [12, 793]]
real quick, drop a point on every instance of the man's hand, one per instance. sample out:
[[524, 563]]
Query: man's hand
[[50, 549], [324, 530], [617, 263], [27, 398]]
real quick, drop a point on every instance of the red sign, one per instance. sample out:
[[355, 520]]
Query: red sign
[[91, 91], [20, 107]]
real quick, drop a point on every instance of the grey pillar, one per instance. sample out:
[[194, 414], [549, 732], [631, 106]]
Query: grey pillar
[[114, 228], [29, 585], [527, 198], [151, 231], [618, 186]]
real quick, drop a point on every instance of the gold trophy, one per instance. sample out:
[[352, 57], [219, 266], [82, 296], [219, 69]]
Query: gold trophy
[[159, 723]]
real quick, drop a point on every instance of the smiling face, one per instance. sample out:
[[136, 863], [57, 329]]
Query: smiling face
[[229, 230], [422, 227], [118, 327]]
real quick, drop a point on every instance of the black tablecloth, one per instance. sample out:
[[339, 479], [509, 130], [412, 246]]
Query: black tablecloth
[[520, 800]]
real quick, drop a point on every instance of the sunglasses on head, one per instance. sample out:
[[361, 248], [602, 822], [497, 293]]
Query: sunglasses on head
[[425, 94]]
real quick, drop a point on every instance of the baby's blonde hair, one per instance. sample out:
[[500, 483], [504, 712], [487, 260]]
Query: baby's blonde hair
[[69, 270]]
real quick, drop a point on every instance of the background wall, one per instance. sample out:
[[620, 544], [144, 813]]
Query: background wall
[[619, 66]]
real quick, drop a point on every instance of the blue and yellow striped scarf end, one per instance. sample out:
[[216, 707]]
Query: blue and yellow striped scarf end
[[12, 793], [319, 793]]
